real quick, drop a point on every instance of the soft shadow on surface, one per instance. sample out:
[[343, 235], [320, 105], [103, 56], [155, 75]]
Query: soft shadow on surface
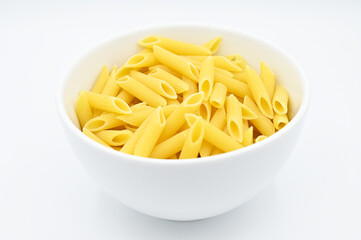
[[254, 220]]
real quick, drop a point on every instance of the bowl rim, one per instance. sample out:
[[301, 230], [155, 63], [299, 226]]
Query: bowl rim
[[127, 157]]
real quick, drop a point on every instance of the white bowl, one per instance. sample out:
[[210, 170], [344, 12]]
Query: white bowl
[[195, 188]]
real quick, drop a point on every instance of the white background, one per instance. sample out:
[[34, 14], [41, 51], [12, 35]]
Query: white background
[[44, 192]]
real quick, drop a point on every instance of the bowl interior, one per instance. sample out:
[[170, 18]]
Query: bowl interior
[[116, 51]]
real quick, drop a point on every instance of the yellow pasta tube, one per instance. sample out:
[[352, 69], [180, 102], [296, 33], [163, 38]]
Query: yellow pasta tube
[[142, 59], [130, 145], [125, 96], [137, 117], [176, 62], [107, 103], [233, 86], [268, 79], [216, 151], [123, 71], [82, 109], [221, 62], [103, 122], [259, 92], [262, 123], [101, 80], [234, 118], [224, 63], [279, 121], [218, 95], [241, 76], [178, 85], [176, 119], [260, 138], [206, 77], [193, 88], [219, 121], [197, 61], [213, 45], [205, 111], [214, 135], [167, 69], [141, 91], [248, 137], [94, 137], [280, 100], [170, 146], [169, 109], [193, 141], [151, 134], [238, 59], [111, 88], [157, 85], [173, 101], [114, 137], [175, 46], [247, 113]]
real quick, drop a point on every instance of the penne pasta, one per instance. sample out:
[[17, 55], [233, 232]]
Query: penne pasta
[[101, 80], [82, 109], [214, 135], [178, 85], [94, 137], [248, 137], [206, 77], [173, 102], [260, 138], [234, 118], [218, 95], [177, 119], [238, 59], [157, 85], [125, 96], [170, 147], [205, 111], [111, 88], [193, 140], [241, 76], [103, 122], [247, 113], [151, 134], [114, 137], [177, 63], [280, 100], [197, 61], [175, 46], [141, 91], [137, 117], [107, 103], [262, 123], [213, 45], [268, 79], [167, 69], [216, 151], [219, 121], [259, 92], [142, 59], [279, 121], [192, 87], [233, 86]]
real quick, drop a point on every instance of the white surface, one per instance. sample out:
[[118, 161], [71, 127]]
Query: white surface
[[192, 189], [44, 194]]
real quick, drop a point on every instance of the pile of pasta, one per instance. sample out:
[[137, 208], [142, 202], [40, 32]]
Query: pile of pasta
[[177, 100]]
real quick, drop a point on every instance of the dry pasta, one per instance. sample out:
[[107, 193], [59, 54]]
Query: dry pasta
[[177, 100]]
